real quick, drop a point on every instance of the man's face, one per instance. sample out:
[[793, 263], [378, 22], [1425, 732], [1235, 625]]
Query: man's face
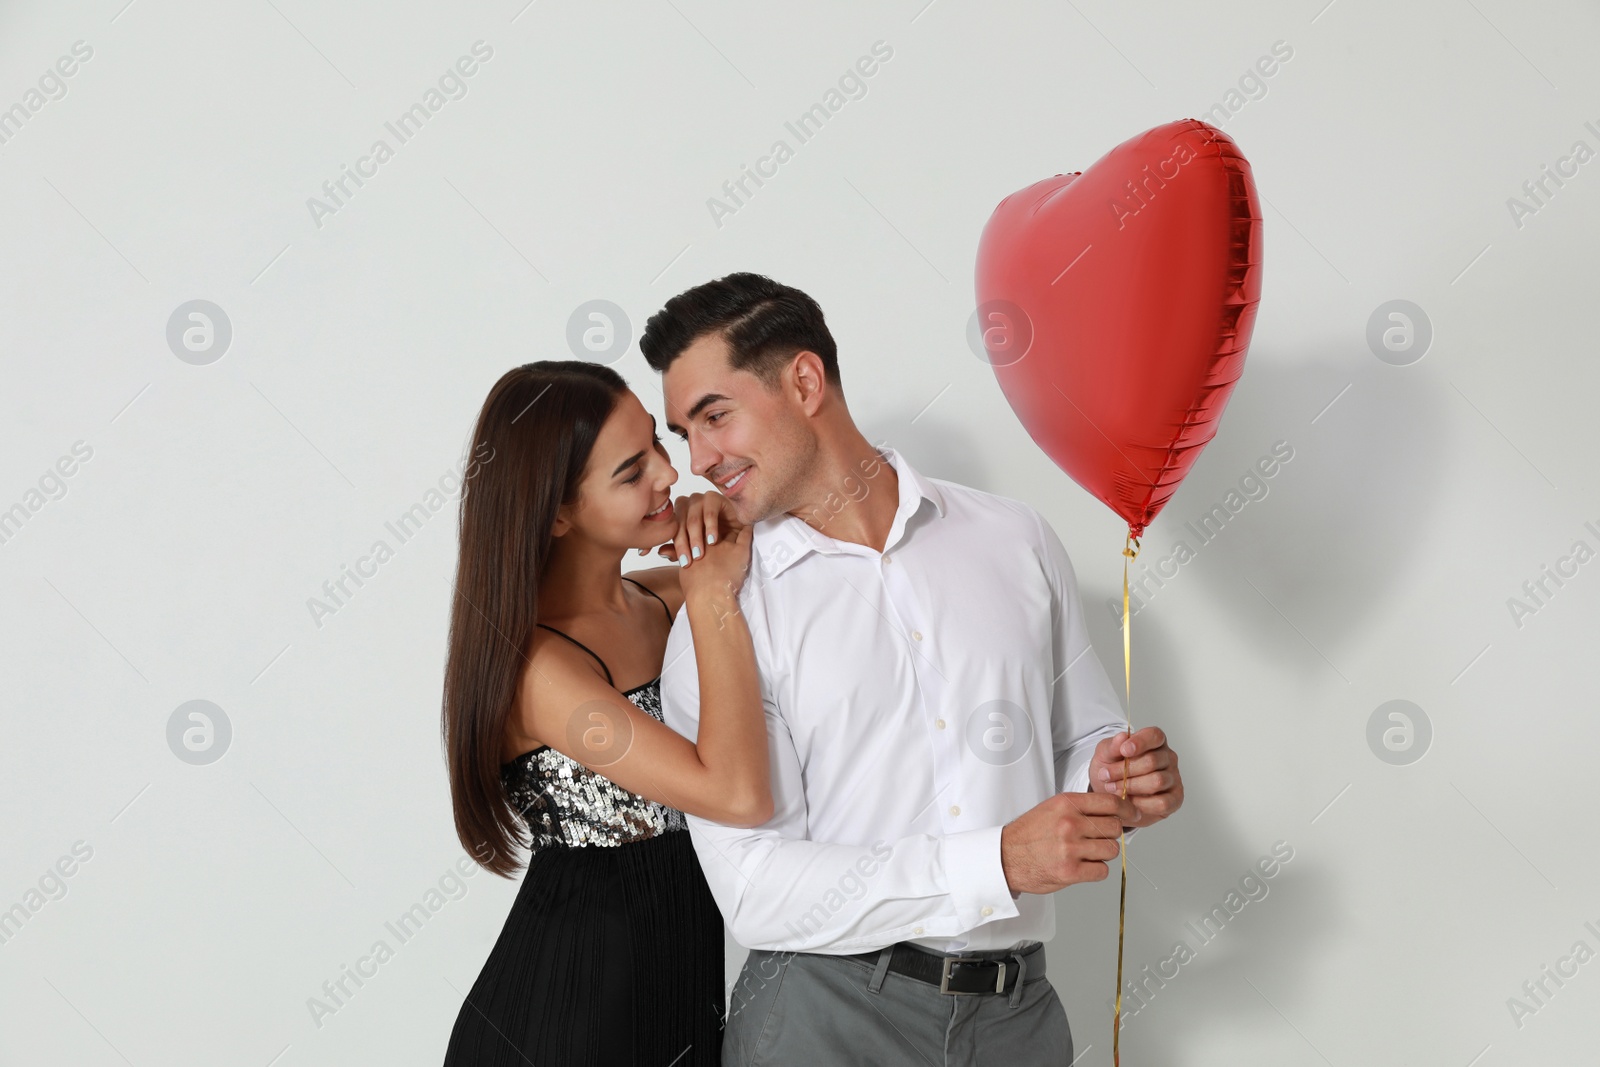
[[750, 443]]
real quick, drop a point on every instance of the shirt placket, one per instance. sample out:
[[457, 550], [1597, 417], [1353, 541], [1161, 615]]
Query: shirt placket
[[924, 644]]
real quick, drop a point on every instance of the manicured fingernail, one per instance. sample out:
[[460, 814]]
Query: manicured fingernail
[[711, 539], [683, 561], [697, 552]]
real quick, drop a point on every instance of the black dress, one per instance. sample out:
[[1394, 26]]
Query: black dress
[[612, 955]]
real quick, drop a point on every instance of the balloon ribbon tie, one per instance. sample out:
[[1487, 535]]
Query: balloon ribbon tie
[[1130, 550]]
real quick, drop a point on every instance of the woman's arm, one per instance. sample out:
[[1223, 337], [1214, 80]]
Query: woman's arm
[[565, 703]]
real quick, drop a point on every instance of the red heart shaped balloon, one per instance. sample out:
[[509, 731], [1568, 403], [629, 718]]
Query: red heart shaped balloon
[[1116, 306]]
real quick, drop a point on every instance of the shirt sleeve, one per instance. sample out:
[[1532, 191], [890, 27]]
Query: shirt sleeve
[[1084, 707], [780, 891]]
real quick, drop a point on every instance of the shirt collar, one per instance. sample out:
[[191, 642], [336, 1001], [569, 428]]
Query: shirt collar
[[783, 539]]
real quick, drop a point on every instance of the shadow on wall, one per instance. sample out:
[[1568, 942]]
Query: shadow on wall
[[1331, 533]]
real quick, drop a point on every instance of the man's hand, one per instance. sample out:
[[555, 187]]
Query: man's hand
[[1155, 785], [1063, 840]]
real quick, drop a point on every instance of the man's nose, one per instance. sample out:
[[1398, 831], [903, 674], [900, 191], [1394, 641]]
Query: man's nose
[[702, 457]]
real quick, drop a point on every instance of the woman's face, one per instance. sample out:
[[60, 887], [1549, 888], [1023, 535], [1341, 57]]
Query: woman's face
[[624, 500]]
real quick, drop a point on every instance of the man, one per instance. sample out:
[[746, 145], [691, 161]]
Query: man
[[946, 746]]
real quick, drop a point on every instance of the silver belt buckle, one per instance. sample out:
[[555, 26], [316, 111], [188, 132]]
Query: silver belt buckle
[[944, 976]]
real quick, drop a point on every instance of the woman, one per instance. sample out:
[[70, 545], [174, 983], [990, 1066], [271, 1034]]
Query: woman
[[613, 950]]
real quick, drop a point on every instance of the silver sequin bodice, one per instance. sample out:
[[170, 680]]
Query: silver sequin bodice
[[567, 805]]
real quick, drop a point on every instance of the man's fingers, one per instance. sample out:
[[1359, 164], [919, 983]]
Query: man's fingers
[[1110, 807], [1146, 785], [1142, 741], [1092, 803], [1112, 771], [1108, 825], [1109, 748]]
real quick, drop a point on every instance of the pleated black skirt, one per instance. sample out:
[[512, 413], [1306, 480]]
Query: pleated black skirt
[[612, 956]]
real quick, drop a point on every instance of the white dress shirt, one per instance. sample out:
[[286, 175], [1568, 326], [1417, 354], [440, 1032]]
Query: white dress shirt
[[916, 700]]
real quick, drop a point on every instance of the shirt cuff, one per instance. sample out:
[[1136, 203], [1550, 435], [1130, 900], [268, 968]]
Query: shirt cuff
[[977, 877]]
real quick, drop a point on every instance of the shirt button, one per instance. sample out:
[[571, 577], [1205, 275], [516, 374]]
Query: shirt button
[[886, 560], [955, 809], [917, 634], [939, 723], [988, 910], [918, 930]]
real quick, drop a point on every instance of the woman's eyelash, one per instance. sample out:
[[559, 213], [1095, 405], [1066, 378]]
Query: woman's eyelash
[[640, 473]]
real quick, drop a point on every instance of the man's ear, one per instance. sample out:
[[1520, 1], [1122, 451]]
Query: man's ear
[[810, 379]]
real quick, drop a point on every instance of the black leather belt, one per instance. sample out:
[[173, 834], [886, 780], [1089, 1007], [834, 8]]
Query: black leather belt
[[960, 974]]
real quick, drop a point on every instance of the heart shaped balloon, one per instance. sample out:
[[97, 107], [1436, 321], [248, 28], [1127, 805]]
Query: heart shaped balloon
[[1116, 306]]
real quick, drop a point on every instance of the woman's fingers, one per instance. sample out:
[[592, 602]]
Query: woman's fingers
[[695, 525], [680, 540]]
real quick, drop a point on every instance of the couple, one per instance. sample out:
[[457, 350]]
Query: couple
[[860, 721]]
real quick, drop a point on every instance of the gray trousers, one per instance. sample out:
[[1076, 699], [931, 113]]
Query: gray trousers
[[802, 1009]]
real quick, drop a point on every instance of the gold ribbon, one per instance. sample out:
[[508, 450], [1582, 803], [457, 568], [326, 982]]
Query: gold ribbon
[[1128, 553]]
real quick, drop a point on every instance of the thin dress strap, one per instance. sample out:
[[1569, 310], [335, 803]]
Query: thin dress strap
[[587, 649], [591, 651], [653, 593]]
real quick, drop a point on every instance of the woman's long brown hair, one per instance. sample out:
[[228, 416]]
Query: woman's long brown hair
[[539, 423]]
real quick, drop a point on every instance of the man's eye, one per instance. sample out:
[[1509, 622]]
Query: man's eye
[[715, 416]]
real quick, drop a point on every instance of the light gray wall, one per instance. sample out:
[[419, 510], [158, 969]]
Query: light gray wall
[[218, 497]]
